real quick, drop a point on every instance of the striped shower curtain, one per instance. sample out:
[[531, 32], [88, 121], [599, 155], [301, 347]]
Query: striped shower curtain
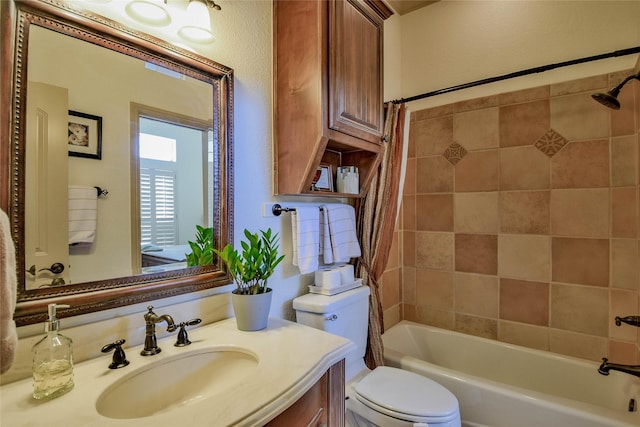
[[376, 215]]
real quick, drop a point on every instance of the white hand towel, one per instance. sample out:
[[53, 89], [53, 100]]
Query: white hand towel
[[340, 221], [8, 289], [305, 225], [83, 214]]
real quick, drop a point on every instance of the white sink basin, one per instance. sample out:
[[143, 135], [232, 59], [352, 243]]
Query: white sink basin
[[228, 377], [176, 381]]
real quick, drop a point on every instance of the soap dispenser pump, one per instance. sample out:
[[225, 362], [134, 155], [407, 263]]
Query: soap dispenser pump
[[52, 360]]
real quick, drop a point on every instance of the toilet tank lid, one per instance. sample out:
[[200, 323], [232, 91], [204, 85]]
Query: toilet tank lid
[[317, 303]]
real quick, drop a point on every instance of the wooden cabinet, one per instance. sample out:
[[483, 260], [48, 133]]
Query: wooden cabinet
[[322, 405], [328, 90]]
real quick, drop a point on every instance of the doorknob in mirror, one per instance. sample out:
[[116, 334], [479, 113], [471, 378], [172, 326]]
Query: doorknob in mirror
[[58, 281], [56, 268]]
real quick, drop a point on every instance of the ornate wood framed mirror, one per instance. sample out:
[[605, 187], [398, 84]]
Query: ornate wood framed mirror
[[63, 68]]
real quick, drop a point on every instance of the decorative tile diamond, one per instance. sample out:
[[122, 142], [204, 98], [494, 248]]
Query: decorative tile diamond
[[454, 153], [551, 142]]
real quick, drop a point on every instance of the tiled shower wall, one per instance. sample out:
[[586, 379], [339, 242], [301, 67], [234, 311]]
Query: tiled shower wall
[[520, 220]]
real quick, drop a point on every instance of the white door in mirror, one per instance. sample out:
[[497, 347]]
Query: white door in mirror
[[46, 229]]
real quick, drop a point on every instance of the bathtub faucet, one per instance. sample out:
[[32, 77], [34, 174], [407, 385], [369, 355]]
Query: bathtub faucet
[[629, 320], [627, 369]]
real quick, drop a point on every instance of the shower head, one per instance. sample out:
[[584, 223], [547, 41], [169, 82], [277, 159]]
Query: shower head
[[610, 99]]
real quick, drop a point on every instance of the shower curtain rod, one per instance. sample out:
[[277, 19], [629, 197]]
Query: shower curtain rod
[[521, 73]]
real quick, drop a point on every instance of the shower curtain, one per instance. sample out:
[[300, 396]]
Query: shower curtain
[[376, 215]]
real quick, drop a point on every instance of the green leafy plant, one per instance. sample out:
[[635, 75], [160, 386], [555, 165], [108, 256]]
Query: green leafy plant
[[202, 248], [255, 264]]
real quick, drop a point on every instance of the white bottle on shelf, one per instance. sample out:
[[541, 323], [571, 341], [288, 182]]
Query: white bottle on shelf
[[348, 180]]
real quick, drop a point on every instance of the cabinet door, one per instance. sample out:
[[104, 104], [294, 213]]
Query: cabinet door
[[323, 405], [355, 70], [309, 411]]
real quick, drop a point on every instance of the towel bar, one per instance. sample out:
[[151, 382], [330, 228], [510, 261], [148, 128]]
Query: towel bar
[[102, 192], [276, 209]]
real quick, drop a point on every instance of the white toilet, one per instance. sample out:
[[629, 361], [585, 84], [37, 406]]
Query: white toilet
[[386, 396]]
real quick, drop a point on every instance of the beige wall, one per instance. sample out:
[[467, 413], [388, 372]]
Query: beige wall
[[457, 41]]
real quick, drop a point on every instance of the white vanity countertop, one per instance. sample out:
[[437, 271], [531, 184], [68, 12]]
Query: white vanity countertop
[[291, 358]]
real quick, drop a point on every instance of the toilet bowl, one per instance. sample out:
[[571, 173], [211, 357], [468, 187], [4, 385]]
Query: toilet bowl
[[393, 397], [385, 396]]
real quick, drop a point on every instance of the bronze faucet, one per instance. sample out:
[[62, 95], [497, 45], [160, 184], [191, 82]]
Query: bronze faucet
[[629, 320], [605, 367], [150, 341], [119, 358]]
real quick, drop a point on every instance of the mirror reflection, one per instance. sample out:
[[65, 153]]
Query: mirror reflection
[[155, 200], [175, 171], [120, 156]]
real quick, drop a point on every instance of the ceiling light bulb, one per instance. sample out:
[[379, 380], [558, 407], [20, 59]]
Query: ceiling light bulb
[[199, 27], [197, 9], [149, 12]]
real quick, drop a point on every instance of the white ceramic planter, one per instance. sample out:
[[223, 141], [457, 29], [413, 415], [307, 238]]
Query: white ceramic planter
[[252, 311]]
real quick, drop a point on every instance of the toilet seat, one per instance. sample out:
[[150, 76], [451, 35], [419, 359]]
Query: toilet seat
[[407, 396]]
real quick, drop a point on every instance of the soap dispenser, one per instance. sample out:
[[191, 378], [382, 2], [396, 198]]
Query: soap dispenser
[[52, 360]]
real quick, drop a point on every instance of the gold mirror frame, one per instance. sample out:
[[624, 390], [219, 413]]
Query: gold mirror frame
[[16, 18]]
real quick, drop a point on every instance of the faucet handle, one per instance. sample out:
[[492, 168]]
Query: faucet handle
[[183, 339], [119, 358], [629, 320], [604, 369]]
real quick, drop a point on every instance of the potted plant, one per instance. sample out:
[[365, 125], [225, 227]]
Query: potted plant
[[202, 248], [250, 270]]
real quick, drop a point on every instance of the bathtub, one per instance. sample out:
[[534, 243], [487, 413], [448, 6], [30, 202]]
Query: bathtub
[[504, 385]]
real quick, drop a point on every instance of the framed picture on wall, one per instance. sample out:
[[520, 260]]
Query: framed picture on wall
[[323, 180], [84, 135]]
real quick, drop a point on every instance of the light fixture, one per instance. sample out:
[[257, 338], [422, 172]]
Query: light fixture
[[213, 5], [610, 99], [150, 12], [198, 28]]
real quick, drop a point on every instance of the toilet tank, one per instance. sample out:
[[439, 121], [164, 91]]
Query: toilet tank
[[345, 314]]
